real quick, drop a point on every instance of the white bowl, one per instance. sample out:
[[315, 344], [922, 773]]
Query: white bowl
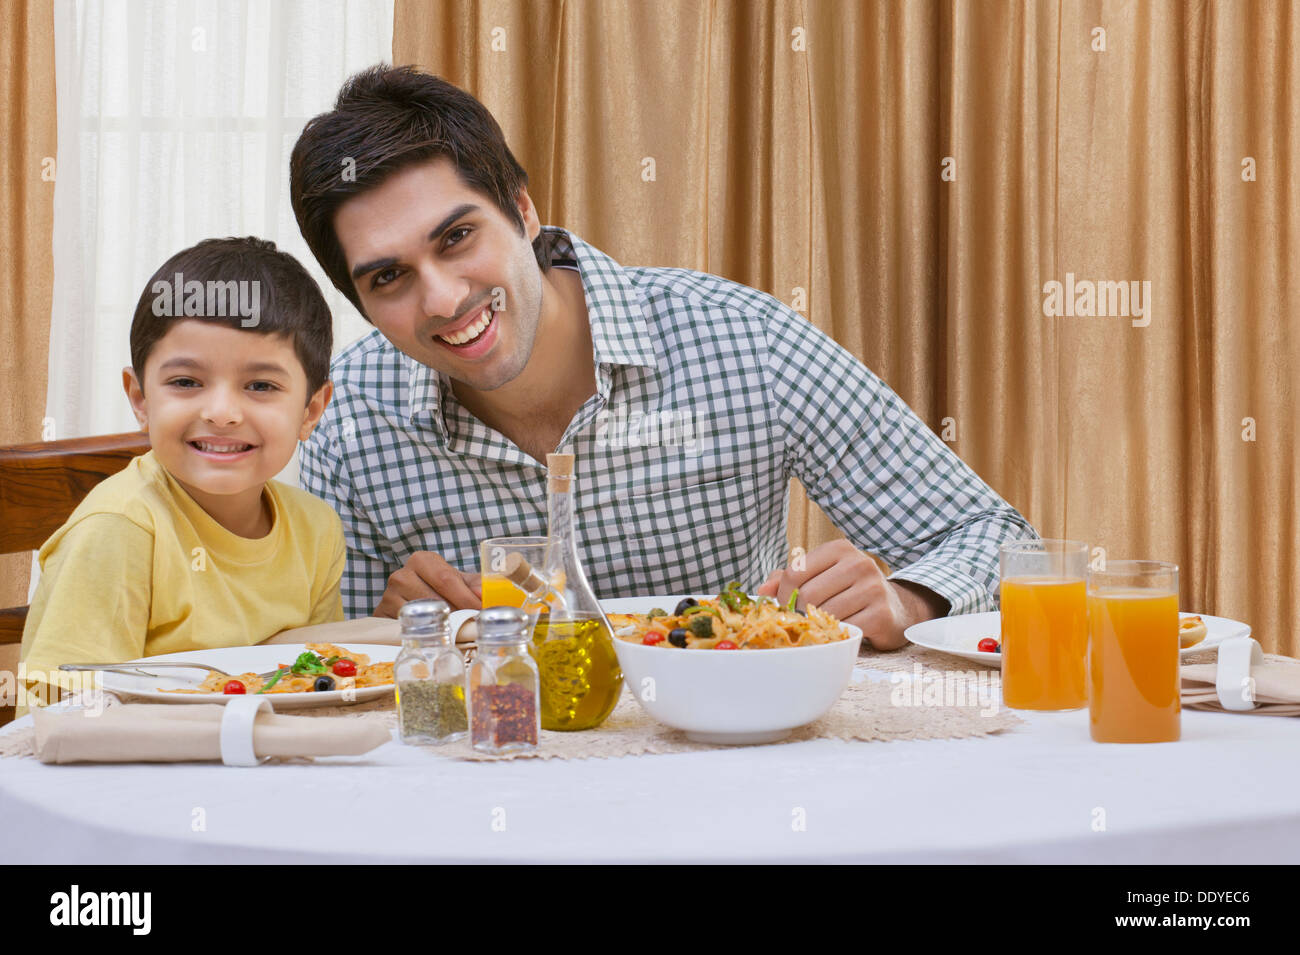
[[733, 696]]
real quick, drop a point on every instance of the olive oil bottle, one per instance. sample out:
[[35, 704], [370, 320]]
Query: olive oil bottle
[[573, 643]]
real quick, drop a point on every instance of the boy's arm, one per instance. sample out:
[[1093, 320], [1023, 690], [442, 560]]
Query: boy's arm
[[92, 604], [329, 606]]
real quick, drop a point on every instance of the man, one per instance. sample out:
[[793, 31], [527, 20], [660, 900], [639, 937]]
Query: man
[[689, 400]]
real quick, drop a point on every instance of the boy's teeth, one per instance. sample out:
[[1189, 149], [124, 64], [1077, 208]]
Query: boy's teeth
[[221, 448], [470, 331]]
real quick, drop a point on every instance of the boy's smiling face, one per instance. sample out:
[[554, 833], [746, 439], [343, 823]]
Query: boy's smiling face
[[224, 409]]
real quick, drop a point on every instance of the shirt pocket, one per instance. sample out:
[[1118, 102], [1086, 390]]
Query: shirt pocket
[[691, 536]]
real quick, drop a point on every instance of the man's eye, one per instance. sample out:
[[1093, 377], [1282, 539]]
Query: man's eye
[[379, 279], [264, 386], [457, 230]]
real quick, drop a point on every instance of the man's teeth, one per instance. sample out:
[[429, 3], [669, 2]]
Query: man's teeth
[[220, 448], [470, 332]]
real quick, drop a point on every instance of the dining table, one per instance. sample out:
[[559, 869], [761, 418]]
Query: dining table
[[1040, 792]]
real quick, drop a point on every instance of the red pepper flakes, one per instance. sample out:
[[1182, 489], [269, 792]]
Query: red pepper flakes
[[504, 714]]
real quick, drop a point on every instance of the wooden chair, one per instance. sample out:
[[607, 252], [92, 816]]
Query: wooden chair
[[40, 486]]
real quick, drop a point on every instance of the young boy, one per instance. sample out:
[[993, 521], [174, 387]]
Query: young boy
[[192, 545]]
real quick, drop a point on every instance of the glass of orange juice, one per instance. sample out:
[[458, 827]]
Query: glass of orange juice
[[1044, 624], [498, 591], [1133, 679]]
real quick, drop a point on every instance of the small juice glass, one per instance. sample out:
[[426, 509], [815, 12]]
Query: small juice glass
[[1044, 624], [1133, 679], [498, 591]]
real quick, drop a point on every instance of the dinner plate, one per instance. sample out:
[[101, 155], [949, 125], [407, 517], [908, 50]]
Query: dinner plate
[[960, 635], [236, 660]]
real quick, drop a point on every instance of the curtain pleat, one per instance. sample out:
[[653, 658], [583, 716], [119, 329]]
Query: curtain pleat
[[26, 224]]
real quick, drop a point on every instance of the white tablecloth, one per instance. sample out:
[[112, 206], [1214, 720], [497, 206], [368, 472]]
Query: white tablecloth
[[1228, 792]]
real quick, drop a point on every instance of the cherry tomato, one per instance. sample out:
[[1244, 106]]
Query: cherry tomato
[[233, 687], [651, 639], [345, 668], [989, 645], [724, 645]]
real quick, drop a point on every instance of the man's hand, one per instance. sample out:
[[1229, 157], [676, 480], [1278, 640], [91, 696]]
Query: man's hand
[[850, 586], [424, 575]]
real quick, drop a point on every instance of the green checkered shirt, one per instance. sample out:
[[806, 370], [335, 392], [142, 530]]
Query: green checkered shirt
[[709, 397]]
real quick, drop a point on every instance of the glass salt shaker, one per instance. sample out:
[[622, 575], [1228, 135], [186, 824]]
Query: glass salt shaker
[[430, 676], [503, 684]]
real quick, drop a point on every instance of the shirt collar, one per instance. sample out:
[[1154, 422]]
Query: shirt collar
[[616, 311]]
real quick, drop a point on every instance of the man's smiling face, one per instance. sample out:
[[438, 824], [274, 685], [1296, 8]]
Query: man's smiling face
[[427, 254]]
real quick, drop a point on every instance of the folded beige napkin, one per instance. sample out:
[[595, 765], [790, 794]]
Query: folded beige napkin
[[1240, 678], [380, 631], [165, 733]]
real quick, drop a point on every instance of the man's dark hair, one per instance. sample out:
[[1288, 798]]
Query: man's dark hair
[[384, 120], [289, 301]]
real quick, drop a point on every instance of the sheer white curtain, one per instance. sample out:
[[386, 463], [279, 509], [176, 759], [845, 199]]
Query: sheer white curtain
[[175, 121]]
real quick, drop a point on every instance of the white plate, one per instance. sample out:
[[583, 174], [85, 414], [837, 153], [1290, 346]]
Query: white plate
[[960, 635], [238, 660]]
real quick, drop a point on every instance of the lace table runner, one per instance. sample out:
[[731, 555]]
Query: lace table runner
[[936, 707]]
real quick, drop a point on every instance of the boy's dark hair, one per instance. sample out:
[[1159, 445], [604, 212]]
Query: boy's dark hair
[[384, 120], [289, 302]]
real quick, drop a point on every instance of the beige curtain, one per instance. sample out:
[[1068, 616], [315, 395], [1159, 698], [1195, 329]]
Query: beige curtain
[[917, 173], [26, 231]]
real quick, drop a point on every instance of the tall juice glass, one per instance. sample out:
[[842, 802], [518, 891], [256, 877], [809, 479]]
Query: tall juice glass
[[1044, 624], [1133, 679]]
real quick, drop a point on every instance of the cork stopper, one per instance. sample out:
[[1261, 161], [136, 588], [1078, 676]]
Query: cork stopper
[[559, 468], [521, 573]]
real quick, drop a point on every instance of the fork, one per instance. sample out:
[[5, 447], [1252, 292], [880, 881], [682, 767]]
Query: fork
[[135, 669]]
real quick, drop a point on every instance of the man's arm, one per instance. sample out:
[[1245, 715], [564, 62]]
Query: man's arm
[[886, 481], [323, 472]]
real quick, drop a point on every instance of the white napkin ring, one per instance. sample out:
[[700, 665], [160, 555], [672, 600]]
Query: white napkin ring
[[237, 729], [1232, 680]]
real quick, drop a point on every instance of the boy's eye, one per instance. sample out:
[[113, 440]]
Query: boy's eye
[[264, 386], [183, 382]]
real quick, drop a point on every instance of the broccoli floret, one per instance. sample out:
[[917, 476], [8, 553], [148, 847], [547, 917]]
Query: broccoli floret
[[701, 625]]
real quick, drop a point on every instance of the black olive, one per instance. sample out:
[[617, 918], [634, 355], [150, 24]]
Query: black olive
[[686, 602], [323, 683], [677, 637]]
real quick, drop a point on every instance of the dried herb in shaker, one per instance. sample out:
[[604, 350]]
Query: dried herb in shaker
[[431, 709], [430, 676]]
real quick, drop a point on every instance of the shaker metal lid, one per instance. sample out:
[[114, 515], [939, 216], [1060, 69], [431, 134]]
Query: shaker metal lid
[[502, 625], [424, 616]]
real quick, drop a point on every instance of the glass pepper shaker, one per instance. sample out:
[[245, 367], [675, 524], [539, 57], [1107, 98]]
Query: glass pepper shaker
[[503, 684], [430, 676]]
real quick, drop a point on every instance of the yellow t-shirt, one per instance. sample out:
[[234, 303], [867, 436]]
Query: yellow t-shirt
[[141, 569]]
